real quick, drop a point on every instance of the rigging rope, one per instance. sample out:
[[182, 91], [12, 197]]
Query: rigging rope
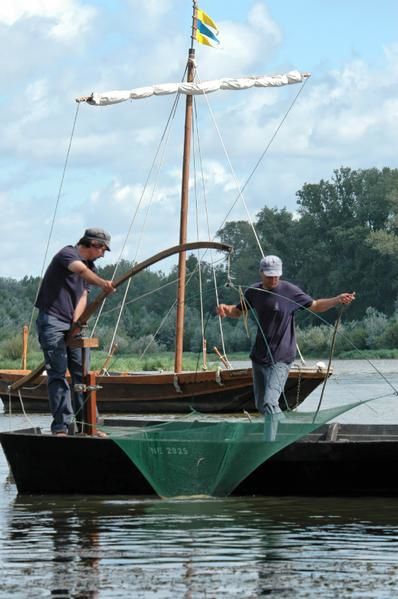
[[333, 344], [161, 146], [162, 143], [237, 183], [173, 282], [212, 261], [202, 326], [241, 188], [54, 213], [264, 152]]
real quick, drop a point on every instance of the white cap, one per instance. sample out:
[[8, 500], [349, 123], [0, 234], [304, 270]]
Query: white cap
[[271, 266]]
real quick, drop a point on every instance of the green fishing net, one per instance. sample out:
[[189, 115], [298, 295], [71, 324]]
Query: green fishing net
[[194, 457]]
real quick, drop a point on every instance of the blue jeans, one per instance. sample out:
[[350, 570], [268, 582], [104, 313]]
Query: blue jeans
[[268, 384], [58, 357]]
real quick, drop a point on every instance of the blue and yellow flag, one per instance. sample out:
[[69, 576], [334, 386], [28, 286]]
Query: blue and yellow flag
[[203, 34], [202, 16]]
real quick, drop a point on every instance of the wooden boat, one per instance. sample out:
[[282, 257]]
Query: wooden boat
[[335, 460], [221, 391], [226, 390]]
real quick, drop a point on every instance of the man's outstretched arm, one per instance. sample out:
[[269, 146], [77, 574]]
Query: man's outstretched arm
[[322, 305]]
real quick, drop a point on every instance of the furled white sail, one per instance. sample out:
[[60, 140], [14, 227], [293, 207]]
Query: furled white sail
[[206, 87]]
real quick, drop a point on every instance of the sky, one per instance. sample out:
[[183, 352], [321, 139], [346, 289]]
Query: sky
[[65, 167]]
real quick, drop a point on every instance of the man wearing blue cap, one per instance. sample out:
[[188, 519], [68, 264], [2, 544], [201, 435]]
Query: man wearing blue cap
[[275, 302], [61, 300]]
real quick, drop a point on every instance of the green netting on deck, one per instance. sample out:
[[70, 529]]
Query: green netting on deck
[[192, 457]]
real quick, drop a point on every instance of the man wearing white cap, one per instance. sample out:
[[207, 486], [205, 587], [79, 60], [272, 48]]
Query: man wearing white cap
[[61, 300], [275, 302]]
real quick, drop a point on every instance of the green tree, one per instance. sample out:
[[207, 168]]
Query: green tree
[[336, 237]]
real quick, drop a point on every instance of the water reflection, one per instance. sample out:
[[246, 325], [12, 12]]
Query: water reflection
[[56, 546], [239, 547], [236, 547]]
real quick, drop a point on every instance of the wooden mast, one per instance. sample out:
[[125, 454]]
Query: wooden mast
[[184, 206]]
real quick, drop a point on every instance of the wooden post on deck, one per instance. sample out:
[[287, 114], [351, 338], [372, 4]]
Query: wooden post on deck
[[88, 387], [91, 404], [25, 335]]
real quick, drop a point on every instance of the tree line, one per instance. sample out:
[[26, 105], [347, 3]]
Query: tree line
[[343, 237]]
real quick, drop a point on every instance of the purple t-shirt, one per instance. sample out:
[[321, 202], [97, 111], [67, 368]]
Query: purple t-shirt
[[275, 313], [61, 289]]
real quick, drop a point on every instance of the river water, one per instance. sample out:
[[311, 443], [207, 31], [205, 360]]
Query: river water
[[103, 547]]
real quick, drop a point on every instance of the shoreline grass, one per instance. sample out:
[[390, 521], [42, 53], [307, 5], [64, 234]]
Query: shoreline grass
[[165, 360]]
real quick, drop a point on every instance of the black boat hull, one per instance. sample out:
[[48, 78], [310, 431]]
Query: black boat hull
[[359, 460]]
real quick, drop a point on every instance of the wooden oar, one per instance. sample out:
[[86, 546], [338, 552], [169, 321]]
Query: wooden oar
[[94, 305]]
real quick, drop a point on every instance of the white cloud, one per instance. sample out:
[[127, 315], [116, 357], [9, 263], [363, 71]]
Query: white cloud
[[67, 17], [260, 19], [345, 116], [245, 47], [391, 54], [151, 10]]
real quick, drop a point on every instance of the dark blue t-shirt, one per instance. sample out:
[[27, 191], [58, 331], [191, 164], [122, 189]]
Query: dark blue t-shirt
[[275, 313], [61, 289]]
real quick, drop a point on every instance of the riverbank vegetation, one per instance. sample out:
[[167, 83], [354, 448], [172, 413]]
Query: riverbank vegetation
[[343, 237]]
